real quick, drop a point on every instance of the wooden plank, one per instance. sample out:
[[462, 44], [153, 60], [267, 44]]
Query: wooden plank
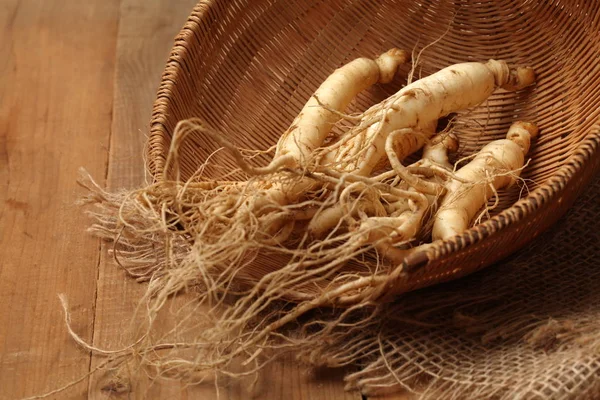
[[146, 33], [392, 396], [56, 71], [145, 37], [288, 380]]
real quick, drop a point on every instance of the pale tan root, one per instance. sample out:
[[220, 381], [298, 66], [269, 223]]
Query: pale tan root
[[383, 232], [296, 146], [420, 185], [321, 112], [435, 168], [436, 150], [497, 165], [420, 104], [434, 161], [373, 225], [349, 206], [257, 202], [216, 259], [333, 216]]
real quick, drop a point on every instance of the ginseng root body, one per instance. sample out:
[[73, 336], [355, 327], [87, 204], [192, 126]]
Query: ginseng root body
[[418, 106], [497, 165]]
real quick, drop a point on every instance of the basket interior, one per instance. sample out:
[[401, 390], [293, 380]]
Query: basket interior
[[247, 67]]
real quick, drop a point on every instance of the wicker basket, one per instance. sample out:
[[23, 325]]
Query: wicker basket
[[247, 67]]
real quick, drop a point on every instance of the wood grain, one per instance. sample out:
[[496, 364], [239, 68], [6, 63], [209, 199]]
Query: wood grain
[[76, 89], [393, 396], [56, 59], [146, 32]]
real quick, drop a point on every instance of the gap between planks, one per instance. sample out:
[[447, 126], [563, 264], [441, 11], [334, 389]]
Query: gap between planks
[[54, 117]]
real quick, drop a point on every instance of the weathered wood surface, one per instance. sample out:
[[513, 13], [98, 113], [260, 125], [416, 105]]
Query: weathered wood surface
[[77, 83]]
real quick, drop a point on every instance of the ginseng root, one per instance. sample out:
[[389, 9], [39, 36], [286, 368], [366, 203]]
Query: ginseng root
[[324, 109], [435, 170], [497, 165], [418, 106]]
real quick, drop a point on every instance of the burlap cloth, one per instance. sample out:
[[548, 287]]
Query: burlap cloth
[[526, 328]]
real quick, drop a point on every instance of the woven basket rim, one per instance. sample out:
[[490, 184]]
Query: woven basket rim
[[586, 150]]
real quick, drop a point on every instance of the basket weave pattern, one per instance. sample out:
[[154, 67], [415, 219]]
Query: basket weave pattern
[[247, 67]]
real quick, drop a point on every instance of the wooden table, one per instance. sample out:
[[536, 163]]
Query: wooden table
[[77, 83]]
